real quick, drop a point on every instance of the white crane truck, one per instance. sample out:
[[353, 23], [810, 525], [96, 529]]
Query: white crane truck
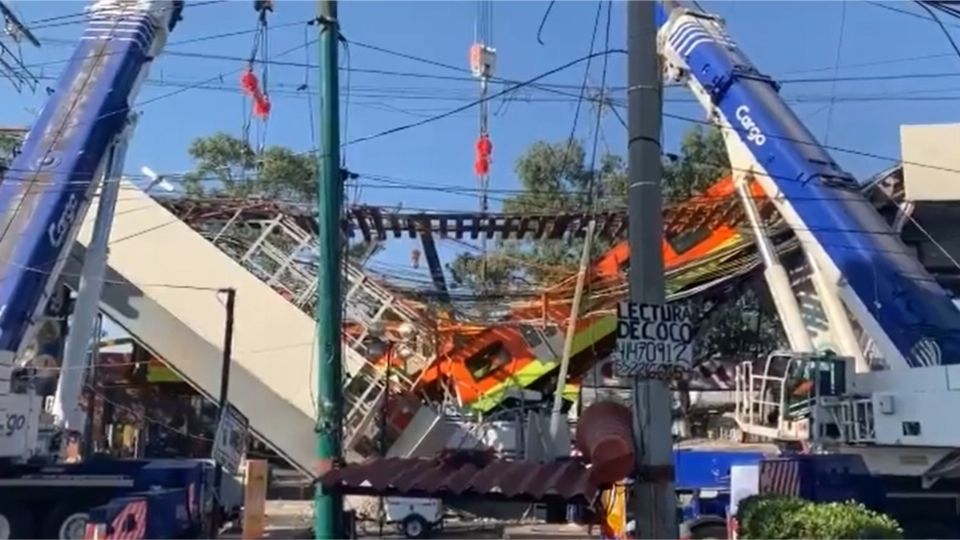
[[76, 146], [868, 394]]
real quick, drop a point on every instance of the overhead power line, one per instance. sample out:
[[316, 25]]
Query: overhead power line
[[489, 97], [929, 7]]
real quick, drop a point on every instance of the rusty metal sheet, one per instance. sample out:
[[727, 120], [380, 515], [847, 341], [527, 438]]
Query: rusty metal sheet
[[491, 479]]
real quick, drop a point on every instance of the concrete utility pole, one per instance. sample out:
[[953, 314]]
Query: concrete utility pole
[[328, 507], [653, 498], [224, 399]]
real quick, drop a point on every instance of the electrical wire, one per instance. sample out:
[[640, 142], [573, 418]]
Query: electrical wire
[[898, 10], [583, 88], [474, 103], [833, 87], [543, 21], [61, 129], [599, 117], [926, 6], [539, 86], [171, 94], [83, 16]]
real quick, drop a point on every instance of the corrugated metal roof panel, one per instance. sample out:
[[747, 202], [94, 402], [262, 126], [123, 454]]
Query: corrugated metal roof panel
[[495, 479]]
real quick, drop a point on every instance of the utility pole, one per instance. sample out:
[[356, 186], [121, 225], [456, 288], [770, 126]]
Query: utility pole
[[654, 497], [558, 421], [328, 507], [231, 295]]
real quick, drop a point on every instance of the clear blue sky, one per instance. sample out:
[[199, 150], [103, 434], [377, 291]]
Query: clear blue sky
[[786, 39]]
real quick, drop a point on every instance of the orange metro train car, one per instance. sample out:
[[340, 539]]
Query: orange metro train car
[[517, 353]]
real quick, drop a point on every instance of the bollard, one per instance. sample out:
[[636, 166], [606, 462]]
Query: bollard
[[255, 499]]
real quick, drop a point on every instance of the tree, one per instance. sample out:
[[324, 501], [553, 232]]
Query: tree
[[9, 146], [554, 178], [227, 166], [701, 162]]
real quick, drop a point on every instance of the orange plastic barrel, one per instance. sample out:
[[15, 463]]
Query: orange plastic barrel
[[605, 438]]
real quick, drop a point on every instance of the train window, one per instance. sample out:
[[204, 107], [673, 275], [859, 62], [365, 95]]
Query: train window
[[685, 240], [530, 334], [488, 360]]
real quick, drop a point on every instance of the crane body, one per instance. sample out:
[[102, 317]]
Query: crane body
[[879, 301], [909, 316], [79, 138]]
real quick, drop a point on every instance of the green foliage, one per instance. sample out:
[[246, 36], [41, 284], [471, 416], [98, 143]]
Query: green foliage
[[778, 517], [701, 162], [555, 178], [227, 166], [360, 252], [743, 324], [9, 146], [766, 516]]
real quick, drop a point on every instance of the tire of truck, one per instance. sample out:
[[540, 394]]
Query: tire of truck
[[66, 521], [415, 526], [709, 532], [16, 521]]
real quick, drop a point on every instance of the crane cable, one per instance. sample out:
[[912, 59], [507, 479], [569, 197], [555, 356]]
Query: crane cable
[[253, 87], [482, 59]]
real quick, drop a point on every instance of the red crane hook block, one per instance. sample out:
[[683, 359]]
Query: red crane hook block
[[261, 106], [251, 86], [249, 82], [481, 166], [484, 148]]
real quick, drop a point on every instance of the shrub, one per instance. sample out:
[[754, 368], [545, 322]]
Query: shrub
[[777, 517], [768, 516]]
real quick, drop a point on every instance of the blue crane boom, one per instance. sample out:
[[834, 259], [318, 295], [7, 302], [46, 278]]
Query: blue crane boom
[[49, 186], [80, 137], [910, 318]]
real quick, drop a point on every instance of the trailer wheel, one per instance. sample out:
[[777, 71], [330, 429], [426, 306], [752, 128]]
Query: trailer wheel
[[66, 521], [16, 521], [415, 526]]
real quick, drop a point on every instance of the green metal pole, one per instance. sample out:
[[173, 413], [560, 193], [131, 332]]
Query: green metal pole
[[328, 506]]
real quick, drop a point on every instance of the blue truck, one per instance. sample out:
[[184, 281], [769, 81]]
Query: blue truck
[[59, 500], [703, 487], [704, 490]]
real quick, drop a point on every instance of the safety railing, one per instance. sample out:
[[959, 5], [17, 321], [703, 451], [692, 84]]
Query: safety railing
[[279, 252]]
